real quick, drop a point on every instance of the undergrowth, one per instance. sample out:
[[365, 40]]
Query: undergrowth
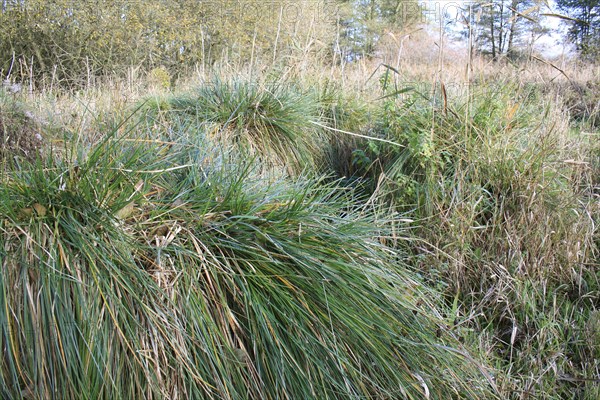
[[501, 187], [280, 239], [135, 269]]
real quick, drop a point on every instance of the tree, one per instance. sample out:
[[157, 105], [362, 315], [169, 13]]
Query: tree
[[363, 22], [585, 25], [501, 27]]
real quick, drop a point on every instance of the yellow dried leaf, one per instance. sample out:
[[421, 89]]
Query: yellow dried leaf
[[39, 209], [126, 211]]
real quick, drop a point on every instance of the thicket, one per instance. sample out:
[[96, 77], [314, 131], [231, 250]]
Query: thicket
[[73, 43]]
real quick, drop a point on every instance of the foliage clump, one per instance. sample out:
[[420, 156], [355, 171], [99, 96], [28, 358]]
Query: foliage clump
[[159, 78], [501, 190], [132, 271], [274, 122]]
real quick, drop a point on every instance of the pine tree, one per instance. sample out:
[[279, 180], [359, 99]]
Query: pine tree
[[585, 25], [502, 27]]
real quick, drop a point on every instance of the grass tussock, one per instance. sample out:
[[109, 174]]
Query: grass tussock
[[271, 121], [130, 271], [19, 132]]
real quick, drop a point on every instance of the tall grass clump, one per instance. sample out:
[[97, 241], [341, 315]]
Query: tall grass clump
[[268, 120], [131, 271], [499, 185]]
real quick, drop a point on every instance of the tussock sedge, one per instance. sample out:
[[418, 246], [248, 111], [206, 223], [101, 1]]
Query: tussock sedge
[[268, 120], [138, 269]]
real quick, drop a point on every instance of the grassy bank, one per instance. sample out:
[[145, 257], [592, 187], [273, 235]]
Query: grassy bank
[[374, 235]]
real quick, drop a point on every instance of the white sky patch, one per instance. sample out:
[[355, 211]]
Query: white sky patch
[[554, 43]]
